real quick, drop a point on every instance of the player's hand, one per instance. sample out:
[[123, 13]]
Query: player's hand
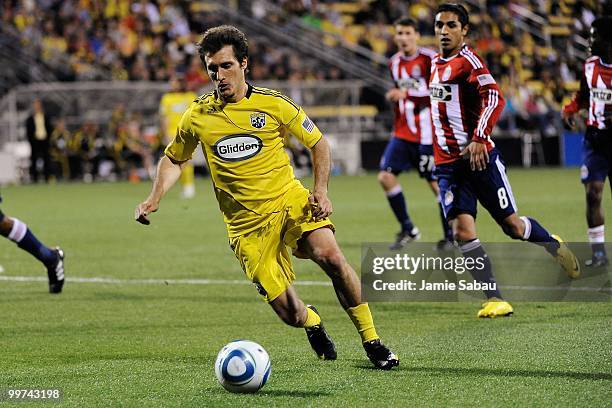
[[321, 205], [569, 122], [396, 94], [143, 210], [478, 154]]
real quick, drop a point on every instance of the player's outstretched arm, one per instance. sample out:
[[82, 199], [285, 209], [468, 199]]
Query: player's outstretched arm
[[321, 160], [168, 172]]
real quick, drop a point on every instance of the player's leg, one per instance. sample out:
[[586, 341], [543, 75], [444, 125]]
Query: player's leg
[[187, 181], [266, 262], [53, 259], [459, 204], [320, 245], [593, 173], [495, 193], [395, 159], [426, 168], [291, 310], [595, 221]]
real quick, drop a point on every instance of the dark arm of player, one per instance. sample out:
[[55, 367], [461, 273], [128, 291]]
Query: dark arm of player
[[321, 159], [579, 101], [168, 172], [492, 104]]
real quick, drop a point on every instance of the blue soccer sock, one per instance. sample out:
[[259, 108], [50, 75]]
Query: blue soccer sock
[[446, 228], [398, 205], [474, 250], [537, 234], [23, 237]]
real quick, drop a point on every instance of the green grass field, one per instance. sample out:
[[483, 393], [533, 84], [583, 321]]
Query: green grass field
[[133, 342]]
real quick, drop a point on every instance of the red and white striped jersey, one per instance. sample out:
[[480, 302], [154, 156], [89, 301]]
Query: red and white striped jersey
[[412, 115], [595, 93], [465, 104]]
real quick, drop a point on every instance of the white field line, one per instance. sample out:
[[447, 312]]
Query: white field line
[[114, 281]]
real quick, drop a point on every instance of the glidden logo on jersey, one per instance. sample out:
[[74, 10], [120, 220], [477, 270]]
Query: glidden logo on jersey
[[602, 95], [239, 147], [439, 92]]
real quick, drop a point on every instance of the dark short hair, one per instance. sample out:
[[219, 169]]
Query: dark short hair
[[603, 25], [218, 37], [406, 21], [458, 9]]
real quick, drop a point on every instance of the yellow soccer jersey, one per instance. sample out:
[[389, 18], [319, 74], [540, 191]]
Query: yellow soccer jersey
[[243, 145], [171, 107]]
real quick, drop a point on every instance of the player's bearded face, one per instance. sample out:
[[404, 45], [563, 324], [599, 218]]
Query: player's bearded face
[[406, 39], [227, 73], [449, 33]]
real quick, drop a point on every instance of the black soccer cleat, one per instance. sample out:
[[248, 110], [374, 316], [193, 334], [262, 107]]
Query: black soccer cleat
[[445, 245], [597, 261], [320, 341], [403, 238], [380, 355], [55, 272]]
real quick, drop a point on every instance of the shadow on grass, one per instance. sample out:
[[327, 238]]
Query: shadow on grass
[[294, 393], [513, 373], [497, 372], [273, 393]]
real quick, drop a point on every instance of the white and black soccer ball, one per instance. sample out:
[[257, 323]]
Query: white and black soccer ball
[[242, 366]]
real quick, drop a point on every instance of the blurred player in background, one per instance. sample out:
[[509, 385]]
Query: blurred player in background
[[411, 143], [53, 258], [266, 209], [465, 104], [595, 94], [171, 108]]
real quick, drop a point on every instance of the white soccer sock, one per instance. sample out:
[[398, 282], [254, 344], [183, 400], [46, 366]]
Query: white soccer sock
[[469, 246], [18, 231], [597, 235], [394, 191], [527, 232]]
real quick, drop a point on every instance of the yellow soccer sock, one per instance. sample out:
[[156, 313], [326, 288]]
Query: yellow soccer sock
[[187, 175], [362, 319], [312, 319]]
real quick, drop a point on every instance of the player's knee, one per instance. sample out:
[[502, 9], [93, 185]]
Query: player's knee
[[330, 259], [594, 195], [513, 228], [386, 179]]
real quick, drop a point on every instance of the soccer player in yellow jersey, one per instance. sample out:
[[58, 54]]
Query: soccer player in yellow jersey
[[267, 210], [171, 108]]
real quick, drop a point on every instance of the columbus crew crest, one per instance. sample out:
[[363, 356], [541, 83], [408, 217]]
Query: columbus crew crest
[[258, 120]]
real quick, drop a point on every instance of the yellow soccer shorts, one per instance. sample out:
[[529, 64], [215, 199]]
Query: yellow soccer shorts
[[264, 253]]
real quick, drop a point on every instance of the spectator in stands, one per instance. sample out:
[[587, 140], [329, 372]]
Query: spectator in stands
[[83, 152], [60, 138], [38, 132]]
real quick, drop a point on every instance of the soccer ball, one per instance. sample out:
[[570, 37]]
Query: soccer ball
[[242, 366]]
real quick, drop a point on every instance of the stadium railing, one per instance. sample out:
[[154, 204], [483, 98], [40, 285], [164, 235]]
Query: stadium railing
[[333, 105]]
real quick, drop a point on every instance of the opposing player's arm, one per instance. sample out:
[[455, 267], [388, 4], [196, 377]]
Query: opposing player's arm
[[396, 93], [579, 101], [177, 153], [491, 106]]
